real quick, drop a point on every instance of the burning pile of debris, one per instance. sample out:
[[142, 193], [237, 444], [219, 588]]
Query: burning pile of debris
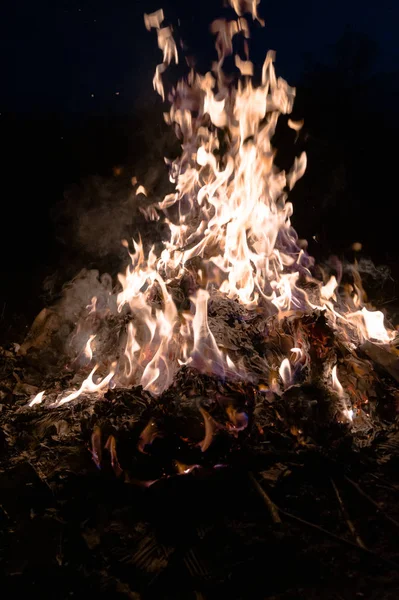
[[223, 347]]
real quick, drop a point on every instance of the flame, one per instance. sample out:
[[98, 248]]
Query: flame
[[232, 232], [285, 372], [241, 204], [298, 353], [327, 291], [88, 386], [88, 351], [92, 307], [337, 387], [239, 419], [205, 356], [111, 447], [210, 428], [336, 383], [370, 325], [167, 45], [148, 435], [96, 450], [233, 215], [141, 190], [38, 399], [183, 469]]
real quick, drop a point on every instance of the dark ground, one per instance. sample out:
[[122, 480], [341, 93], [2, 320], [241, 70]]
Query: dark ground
[[69, 529]]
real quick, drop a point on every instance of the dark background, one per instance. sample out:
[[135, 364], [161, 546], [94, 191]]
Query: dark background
[[77, 101]]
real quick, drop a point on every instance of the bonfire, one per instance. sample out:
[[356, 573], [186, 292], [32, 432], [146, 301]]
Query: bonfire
[[224, 347]]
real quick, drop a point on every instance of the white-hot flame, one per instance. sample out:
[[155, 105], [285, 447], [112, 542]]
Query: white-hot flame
[[233, 218], [327, 291], [370, 325], [285, 372], [88, 351], [92, 306], [38, 399], [206, 356], [298, 353], [88, 386], [337, 387]]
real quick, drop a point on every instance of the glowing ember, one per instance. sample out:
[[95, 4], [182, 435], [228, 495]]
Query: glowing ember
[[111, 447]]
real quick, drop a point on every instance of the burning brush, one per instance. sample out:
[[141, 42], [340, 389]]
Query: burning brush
[[222, 363], [228, 316]]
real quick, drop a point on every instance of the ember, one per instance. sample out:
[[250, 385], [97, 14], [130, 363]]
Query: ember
[[222, 349]]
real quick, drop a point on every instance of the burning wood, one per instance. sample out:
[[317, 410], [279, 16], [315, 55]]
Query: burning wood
[[231, 240], [222, 347]]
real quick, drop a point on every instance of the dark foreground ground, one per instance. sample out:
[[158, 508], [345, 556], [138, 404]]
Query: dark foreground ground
[[206, 535], [266, 514]]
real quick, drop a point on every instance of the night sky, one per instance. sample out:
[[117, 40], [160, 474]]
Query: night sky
[[69, 56]]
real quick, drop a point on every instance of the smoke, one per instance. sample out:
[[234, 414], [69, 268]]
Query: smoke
[[380, 274], [91, 221], [78, 294], [97, 214], [100, 210]]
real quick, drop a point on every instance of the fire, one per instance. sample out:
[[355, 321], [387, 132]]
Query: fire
[[297, 352], [38, 399], [88, 386], [88, 351], [205, 354], [337, 387], [234, 219], [285, 372], [370, 325]]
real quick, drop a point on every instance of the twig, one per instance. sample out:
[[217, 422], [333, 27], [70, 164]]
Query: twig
[[41, 476], [347, 518], [373, 502], [269, 503], [391, 563], [59, 557], [275, 512], [385, 484]]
